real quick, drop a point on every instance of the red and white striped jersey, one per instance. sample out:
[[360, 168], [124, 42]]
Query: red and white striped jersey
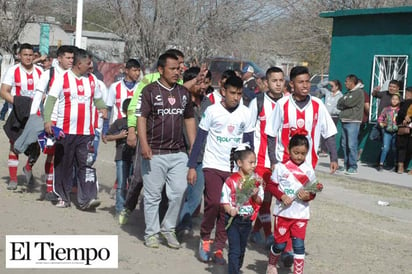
[[260, 138], [215, 97], [23, 83], [75, 102], [287, 116], [118, 92]]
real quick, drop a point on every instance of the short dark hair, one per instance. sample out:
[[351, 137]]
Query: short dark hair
[[408, 89], [125, 104], [353, 78], [64, 49], [298, 70], [176, 52], [233, 81], [298, 140], [273, 70], [132, 63], [208, 74], [190, 74], [395, 82], [80, 54], [227, 74], [25, 46], [161, 62]]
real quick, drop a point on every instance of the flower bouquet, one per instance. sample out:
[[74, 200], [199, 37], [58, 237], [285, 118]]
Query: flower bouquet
[[244, 191], [313, 187]]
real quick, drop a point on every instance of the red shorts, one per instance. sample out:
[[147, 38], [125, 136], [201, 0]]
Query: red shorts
[[285, 228]]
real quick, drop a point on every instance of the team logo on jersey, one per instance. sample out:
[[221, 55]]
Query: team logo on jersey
[[230, 128], [158, 98], [172, 100], [282, 230], [80, 88], [300, 224], [300, 123], [30, 81], [241, 128]]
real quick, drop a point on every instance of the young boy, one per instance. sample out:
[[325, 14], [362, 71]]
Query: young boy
[[223, 127], [124, 155]]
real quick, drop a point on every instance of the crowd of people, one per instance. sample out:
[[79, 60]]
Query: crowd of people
[[178, 140]]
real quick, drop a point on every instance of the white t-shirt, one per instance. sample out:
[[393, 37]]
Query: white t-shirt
[[75, 102], [288, 183], [225, 131], [259, 121], [286, 116]]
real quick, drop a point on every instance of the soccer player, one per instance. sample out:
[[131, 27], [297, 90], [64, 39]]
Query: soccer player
[[21, 80], [75, 92], [65, 62], [223, 127]]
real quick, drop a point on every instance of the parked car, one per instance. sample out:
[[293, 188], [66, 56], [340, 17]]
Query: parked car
[[217, 65]]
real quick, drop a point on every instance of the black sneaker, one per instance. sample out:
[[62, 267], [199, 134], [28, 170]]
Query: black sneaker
[[379, 168], [51, 197]]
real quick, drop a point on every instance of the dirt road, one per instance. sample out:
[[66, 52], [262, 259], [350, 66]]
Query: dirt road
[[348, 232]]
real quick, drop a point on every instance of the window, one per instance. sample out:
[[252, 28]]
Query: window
[[385, 69]]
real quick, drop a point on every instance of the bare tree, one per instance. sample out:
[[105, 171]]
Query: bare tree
[[13, 16]]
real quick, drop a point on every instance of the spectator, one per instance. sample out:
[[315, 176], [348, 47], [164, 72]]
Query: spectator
[[331, 100], [205, 86], [385, 96], [250, 86], [365, 127], [404, 138], [351, 106], [165, 106], [387, 121]]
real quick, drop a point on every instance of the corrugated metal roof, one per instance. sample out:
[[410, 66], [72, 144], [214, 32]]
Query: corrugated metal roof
[[358, 12]]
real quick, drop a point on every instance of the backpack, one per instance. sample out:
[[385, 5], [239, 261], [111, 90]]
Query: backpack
[[51, 74], [260, 98]]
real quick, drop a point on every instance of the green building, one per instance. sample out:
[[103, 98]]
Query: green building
[[375, 45]]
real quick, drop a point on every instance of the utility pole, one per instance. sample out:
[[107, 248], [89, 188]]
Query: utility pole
[[79, 23]]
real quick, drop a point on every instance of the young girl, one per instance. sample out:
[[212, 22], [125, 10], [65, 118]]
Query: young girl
[[292, 208], [387, 121], [240, 214]]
